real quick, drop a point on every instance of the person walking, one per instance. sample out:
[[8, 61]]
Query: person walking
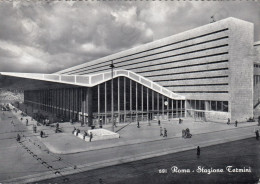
[[159, 122], [257, 135], [90, 136], [18, 138], [228, 122], [165, 132], [161, 131], [41, 134], [236, 123], [138, 124], [198, 151], [85, 134]]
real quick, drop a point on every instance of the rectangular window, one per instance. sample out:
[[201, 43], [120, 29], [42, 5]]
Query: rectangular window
[[192, 104], [198, 104], [213, 105], [225, 106], [202, 105], [219, 106]]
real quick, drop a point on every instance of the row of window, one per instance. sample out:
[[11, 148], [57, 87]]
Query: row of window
[[256, 65], [81, 69], [207, 105]]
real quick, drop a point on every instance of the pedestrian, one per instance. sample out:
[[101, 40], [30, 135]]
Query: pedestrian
[[100, 181], [85, 134], [179, 120], [18, 138], [35, 129], [74, 130], [159, 122], [236, 123], [183, 133], [228, 121], [198, 151], [41, 134], [138, 124], [165, 133], [161, 131], [257, 134], [90, 136], [78, 131], [26, 122]]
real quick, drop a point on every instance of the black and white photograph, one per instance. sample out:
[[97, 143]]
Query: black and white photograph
[[129, 92]]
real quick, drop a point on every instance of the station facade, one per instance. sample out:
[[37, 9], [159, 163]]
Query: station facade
[[211, 72]]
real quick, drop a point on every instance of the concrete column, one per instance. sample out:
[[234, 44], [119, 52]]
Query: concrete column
[[152, 103], [118, 98], [147, 103], [81, 107], [177, 114], [86, 105], [64, 102], [98, 104], [131, 99], [71, 106], [142, 91], [77, 103], [162, 106], [124, 99], [181, 108], [60, 101], [105, 102], [72, 103], [168, 104], [172, 108], [136, 100], [90, 105], [185, 112], [158, 104]]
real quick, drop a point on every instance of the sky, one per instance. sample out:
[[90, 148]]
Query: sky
[[48, 36]]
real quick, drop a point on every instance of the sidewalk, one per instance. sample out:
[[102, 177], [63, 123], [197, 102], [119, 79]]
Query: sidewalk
[[90, 160], [67, 143]]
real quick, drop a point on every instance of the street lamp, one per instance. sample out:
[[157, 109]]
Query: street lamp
[[166, 104], [112, 94]]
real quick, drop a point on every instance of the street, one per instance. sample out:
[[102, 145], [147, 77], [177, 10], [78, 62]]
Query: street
[[239, 154]]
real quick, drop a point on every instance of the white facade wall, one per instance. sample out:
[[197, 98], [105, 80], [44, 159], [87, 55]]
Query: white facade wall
[[212, 62]]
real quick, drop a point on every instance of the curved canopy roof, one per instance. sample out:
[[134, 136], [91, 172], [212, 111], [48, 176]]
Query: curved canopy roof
[[94, 79]]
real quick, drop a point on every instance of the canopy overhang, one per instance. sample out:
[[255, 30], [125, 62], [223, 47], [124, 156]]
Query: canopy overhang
[[33, 81]]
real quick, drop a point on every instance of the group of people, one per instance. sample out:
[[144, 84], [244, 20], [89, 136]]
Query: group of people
[[186, 133], [163, 132], [77, 130], [228, 122]]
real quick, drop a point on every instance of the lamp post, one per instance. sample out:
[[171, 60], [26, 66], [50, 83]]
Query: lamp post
[[166, 104], [112, 94]]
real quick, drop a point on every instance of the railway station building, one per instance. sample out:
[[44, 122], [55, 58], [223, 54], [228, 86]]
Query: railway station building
[[211, 72]]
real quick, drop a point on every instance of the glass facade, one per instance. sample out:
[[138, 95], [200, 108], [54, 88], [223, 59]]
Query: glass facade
[[207, 105], [124, 101]]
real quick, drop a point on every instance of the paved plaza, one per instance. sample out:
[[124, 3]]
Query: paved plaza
[[59, 154]]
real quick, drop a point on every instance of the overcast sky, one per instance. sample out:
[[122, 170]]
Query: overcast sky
[[46, 37]]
